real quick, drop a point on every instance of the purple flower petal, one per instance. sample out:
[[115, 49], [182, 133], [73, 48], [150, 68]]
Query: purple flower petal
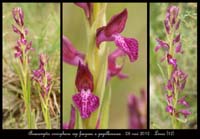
[[172, 13], [113, 68], [178, 48], [171, 61], [128, 45], [169, 109], [167, 27], [111, 31], [86, 102], [161, 44], [84, 78], [169, 99], [180, 78], [185, 113], [116, 24], [16, 30], [177, 24], [70, 54], [170, 85], [182, 101], [87, 7], [177, 38], [18, 15]]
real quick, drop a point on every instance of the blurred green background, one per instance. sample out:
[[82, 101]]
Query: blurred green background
[[43, 23], [187, 62], [136, 27]]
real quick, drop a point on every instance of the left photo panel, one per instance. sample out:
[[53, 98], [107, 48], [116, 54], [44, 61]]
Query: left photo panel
[[31, 66]]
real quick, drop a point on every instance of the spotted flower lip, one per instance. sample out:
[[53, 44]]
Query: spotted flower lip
[[111, 32], [87, 7], [70, 54], [85, 101]]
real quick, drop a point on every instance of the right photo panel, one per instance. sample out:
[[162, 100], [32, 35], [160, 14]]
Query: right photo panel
[[173, 65]]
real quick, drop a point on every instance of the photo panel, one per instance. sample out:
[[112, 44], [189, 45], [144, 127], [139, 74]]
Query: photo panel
[[104, 66], [173, 66], [31, 66]]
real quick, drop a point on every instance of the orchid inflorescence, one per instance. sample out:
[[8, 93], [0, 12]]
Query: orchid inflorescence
[[96, 67], [23, 46], [41, 76], [176, 77]]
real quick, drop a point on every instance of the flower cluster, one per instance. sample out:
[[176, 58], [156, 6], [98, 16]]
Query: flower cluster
[[110, 32], [176, 77], [42, 77], [86, 99], [22, 47], [137, 110]]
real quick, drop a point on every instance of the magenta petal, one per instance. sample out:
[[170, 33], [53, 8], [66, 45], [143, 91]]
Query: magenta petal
[[87, 7], [18, 15], [70, 54], [84, 78], [161, 44], [101, 37], [122, 76], [65, 126], [178, 24], [185, 113], [16, 30], [113, 68], [115, 26], [177, 38], [182, 101], [180, 78], [128, 45], [178, 48], [169, 109], [169, 86], [116, 23], [171, 61], [169, 99], [167, 27], [86, 102]]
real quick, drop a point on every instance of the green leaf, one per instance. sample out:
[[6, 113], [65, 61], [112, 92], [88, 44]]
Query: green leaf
[[33, 122], [78, 123], [104, 119]]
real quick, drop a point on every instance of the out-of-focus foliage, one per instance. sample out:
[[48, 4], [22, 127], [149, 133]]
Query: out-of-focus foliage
[[43, 23], [136, 26], [159, 118]]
